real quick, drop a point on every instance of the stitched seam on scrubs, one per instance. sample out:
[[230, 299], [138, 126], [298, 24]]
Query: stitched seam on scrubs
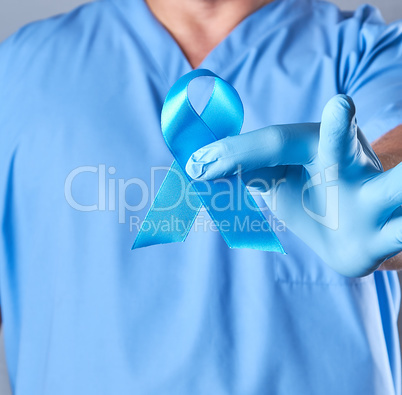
[[144, 46], [353, 282]]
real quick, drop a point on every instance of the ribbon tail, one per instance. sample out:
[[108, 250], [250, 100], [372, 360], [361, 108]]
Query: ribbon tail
[[263, 237], [241, 223], [172, 213]]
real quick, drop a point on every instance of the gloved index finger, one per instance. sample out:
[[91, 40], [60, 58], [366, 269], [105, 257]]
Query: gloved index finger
[[294, 144]]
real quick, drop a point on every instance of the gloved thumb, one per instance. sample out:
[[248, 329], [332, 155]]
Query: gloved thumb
[[338, 132]]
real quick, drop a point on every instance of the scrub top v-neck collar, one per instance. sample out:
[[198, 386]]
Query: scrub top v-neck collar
[[169, 57]]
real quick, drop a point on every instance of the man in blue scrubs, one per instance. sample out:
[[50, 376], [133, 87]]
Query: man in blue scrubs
[[80, 102]]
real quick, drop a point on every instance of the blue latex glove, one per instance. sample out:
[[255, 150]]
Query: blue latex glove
[[329, 187]]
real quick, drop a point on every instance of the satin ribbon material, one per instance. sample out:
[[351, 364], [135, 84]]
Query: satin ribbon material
[[179, 199]]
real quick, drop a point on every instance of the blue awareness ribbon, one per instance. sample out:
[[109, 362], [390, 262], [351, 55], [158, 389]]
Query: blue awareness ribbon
[[179, 199]]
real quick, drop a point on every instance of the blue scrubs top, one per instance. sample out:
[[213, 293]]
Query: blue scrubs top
[[80, 102]]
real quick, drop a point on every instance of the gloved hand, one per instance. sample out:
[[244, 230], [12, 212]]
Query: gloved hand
[[323, 180]]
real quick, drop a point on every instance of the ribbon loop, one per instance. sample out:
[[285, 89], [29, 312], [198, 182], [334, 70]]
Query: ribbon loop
[[228, 202]]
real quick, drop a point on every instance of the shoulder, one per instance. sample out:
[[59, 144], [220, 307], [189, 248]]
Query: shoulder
[[368, 54], [359, 42], [323, 26], [365, 22], [331, 13], [80, 17], [40, 64], [52, 37]]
